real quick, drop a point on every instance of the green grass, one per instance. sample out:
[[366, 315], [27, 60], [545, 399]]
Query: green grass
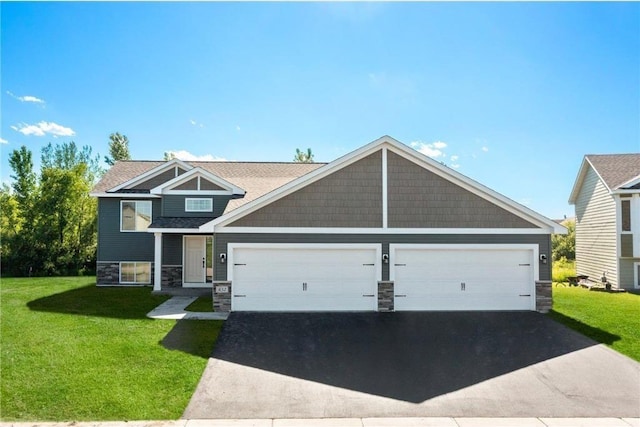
[[202, 304], [609, 318], [72, 351], [563, 269]]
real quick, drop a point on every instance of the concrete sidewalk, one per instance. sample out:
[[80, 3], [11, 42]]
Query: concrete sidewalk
[[174, 309], [355, 422]]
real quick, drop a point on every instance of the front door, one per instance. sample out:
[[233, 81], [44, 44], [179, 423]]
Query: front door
[[197, 260]]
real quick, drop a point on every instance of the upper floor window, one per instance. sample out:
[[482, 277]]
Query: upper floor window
[[198, 205], [135, 215], [626, 215]]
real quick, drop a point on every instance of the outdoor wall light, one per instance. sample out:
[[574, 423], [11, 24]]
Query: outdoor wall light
[[385, 258], [223, 258], [543, 258]]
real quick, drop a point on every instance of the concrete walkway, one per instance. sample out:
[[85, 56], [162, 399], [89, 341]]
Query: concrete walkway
[[174, 309], [356, 422]]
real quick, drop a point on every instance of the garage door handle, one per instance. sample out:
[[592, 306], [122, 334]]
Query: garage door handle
[[239, 264], [400, 265], [368, 295], [527, 295], [240, 296], [400, 296]]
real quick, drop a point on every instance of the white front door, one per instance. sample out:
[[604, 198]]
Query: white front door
[[304, 277], [194, 259]]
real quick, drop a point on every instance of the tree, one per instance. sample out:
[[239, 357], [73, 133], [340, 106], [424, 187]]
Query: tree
[[564, 245], [302, 157], [169, 155], [118, 148], [21, 162]]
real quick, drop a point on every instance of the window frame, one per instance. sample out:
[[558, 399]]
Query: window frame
[[122, 202], [622, 212], [190, 199], [135, 273]]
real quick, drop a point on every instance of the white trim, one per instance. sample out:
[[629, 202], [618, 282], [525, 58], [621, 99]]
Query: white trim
[[636, 276], [184, 261], [343, 230], [126, 195], [153, 172], [136, 202], [409, 154], [393, 247], [197, 172], [197, 193], [633, 181], [635, 224], [233, 246], [385, 202], [175, 230], [157, 262], [188, 199], [135, 265]]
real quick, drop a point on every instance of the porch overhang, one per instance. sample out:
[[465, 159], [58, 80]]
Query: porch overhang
[[178, 225]]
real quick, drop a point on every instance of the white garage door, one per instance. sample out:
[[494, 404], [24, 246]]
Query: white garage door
[[301, 277], [464, 277]]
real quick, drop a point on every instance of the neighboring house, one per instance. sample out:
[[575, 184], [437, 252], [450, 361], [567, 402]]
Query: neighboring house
[[606, 196], [382, 228]]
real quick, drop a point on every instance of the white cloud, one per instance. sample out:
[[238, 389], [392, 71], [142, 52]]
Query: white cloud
[[26, 98], [187, 156], [238, 128], [433, 149], [193, 122], [455, 165], [485, 149], [43, 128], [454, 158], [3, 141]]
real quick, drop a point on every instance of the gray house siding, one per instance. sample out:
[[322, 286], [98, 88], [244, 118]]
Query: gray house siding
[[172, 249], [157, 180], [349, 197], [596, 244], [421, 199], [114, 245], [627, 273], [221, 241], [173, 206]]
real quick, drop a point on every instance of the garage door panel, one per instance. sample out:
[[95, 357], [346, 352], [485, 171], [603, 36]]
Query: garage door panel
[[462, 278], [300, 278]]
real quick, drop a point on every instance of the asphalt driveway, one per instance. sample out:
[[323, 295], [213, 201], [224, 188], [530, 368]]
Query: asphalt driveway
[[471, 364]]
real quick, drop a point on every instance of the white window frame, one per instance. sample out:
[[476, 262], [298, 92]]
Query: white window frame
[[630, 200], [122, 202], [636, 275], [191, 199], [135, 267]]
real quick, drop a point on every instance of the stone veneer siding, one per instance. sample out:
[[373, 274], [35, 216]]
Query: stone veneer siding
[[385, 296], [171, 276], [544, 301], [221, 300]]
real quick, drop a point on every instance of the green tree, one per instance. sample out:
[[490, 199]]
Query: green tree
[[303, 157], [118, 148], [564, 245]]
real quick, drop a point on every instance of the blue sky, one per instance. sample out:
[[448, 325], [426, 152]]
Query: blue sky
[[510, 94]]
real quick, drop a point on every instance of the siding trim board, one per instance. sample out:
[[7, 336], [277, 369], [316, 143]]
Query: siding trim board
[[224, 186], [347, 230], [158, 170]]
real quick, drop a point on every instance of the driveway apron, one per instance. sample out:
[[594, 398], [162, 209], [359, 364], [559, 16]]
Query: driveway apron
[[412, 364]]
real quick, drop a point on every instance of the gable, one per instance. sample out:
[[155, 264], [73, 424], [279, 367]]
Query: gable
[[199, 183], [419, 198], [349, 197], [160, 179]]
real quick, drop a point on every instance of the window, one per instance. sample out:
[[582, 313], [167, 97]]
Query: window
[[135, 272], [135, 215], [198, 205], [626, 215]]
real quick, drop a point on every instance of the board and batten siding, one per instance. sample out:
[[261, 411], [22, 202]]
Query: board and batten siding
[[419, 198], [114, 245], [174, 206], [158, 179], [221, 241], [349, 197], [596, 230]]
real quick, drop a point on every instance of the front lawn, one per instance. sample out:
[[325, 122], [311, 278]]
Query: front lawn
[[609, 318], [72, 351]]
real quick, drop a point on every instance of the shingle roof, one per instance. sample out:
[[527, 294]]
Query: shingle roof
[[616, 169], [256, 178], [175, 222]]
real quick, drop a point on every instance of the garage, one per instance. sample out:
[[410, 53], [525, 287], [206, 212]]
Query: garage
[[464, 277], [304, 277]]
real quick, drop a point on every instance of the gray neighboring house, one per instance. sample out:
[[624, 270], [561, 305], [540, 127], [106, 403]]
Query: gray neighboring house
[[383, 228], [606, 196]]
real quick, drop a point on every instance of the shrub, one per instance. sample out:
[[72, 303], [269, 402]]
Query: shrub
[[562, 269]]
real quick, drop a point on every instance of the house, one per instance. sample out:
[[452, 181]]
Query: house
[[606, 196], [382, 228]]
